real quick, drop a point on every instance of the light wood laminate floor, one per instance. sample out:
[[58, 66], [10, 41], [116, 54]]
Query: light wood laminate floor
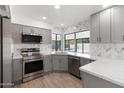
[[53, 80]]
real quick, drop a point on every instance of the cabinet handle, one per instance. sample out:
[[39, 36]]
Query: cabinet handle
[[100, 39], [123, 37], [97, 39]]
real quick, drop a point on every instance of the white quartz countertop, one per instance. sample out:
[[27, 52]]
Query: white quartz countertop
[[111, 70], [75, 54], [108, 69]]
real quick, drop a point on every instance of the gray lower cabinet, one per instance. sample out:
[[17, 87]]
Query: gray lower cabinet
[[84, 61], [91, 81], [60, 62], [47, 63], [17, 70]]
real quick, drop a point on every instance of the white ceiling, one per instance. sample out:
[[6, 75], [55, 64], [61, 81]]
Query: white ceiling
[[67, 14]]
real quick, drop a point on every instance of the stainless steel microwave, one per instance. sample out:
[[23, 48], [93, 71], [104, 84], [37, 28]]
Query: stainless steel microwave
[[31, 39]]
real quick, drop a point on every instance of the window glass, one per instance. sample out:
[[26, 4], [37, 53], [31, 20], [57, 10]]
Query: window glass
[[53, 36], [69, 36], [71, 45], [81, 41], [79, 45], [70, 42], [66, 44], [56, 42], [86, 47], [86, 42]]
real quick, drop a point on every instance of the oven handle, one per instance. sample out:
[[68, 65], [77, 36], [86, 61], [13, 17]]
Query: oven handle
[[27, 61]]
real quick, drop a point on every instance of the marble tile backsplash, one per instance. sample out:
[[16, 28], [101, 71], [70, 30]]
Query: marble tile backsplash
[[107, 50], [44, 48]]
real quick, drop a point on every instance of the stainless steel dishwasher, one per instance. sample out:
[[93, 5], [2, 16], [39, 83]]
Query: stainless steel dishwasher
[[73, 66]]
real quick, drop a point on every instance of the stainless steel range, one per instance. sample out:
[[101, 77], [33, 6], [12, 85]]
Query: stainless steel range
[[32, 63]]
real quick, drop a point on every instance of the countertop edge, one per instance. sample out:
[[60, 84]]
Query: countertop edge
[[103, 77]]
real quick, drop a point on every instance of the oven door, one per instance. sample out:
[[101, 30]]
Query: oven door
[[32, 67]]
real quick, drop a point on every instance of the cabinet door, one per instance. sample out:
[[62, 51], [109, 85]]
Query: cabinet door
[[117, 22], [17, 70], [94, 36], [27, 29], [16, 33], [56, 60], [63, 63], [47, 63], [105, 26]]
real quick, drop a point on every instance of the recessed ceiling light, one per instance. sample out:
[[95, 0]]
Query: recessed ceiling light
[[62, 24], [44, 18], [105, 6], [56, 6]]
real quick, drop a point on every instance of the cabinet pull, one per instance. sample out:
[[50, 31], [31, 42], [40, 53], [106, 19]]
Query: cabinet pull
[[100, 39], [123, 37], [97, 39]]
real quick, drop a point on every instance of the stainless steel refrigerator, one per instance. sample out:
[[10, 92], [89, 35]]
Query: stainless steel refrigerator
[[0, 53], [5, 52]]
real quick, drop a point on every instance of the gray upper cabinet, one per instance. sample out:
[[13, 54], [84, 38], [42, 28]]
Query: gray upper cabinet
[[45, 33], [16, 33], [105, 26], [117, 21], [94, 36], [32, 30], [108, 26]]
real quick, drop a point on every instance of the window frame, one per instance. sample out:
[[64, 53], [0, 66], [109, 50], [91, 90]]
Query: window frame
[[56, 42], [69, 42], [75, 40]]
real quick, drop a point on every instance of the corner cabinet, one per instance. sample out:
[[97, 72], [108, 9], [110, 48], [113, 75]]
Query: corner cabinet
[[60, 62]]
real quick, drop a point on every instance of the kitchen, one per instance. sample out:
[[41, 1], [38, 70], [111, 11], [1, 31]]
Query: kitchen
[[42, 46]]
